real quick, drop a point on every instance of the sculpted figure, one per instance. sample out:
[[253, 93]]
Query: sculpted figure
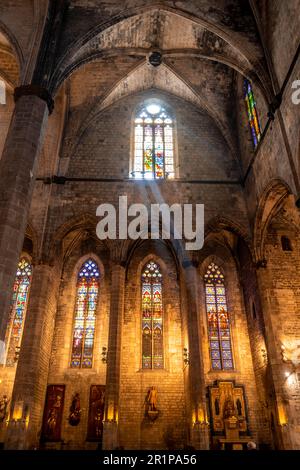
[[152, 399], [75, 410], [229, 410]]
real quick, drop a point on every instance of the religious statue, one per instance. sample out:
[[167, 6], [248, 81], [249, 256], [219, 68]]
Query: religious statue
[[152, 399], [228, 415], [75, 410], [239, 407], [229, 411], [3, 408], [151, 404], [98, 422]]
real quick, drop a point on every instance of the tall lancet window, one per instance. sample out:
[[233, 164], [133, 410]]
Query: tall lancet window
[[18, 311], [218, 319], [252, 113], [85, 315], [153, 143], [152, 317]]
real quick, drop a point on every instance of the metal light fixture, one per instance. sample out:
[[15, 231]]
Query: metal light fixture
[[155, 58], [186, 357], [104, 355]]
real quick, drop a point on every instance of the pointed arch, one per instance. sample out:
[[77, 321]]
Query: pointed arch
[[273, 197], [153, 141], [88, 281], [152, 317], [218, 320]]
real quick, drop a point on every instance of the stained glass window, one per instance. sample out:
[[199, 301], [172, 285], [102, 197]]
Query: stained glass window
[[18, 311], [152, 317], [252, 112], [218, 319], [85, 315], [153, 144]]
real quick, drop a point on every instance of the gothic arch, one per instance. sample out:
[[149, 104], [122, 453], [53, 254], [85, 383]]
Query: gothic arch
[[272, 199]]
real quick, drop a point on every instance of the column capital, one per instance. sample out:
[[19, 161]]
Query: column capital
[[188, 263], [118, 263], [35, 90]]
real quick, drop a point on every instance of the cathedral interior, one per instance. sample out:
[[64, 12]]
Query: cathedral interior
[[142, 343]]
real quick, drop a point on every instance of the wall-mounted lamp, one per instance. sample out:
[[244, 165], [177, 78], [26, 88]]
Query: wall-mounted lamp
[[186, 357], [104, 355]]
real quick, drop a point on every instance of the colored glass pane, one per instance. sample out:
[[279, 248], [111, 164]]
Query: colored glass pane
[[252, 113], [153, 147], [152, 317], [18, 311], [85, 315], [218, 319]]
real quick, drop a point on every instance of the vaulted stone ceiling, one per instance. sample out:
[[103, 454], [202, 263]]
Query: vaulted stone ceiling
[[224, 31], [22, 31], [204, 45]]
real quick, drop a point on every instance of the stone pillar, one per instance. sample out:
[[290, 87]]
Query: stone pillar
[[32, 370], [197, 411], [20, 156], [275, 364], [17, 172], [110, 430]]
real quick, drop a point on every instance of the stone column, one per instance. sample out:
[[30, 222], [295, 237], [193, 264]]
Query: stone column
[[110, 431], [20, 156], [17, 171], [276, 366], [32, 370], [197, 412]]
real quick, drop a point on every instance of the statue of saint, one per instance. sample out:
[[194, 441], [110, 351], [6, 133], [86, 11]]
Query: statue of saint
[[229, 411], [151, 399], [239, 407], [75, 410]]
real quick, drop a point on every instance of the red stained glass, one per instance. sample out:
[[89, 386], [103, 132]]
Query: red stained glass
[[152, 317], [218, 319], [85, 315]]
